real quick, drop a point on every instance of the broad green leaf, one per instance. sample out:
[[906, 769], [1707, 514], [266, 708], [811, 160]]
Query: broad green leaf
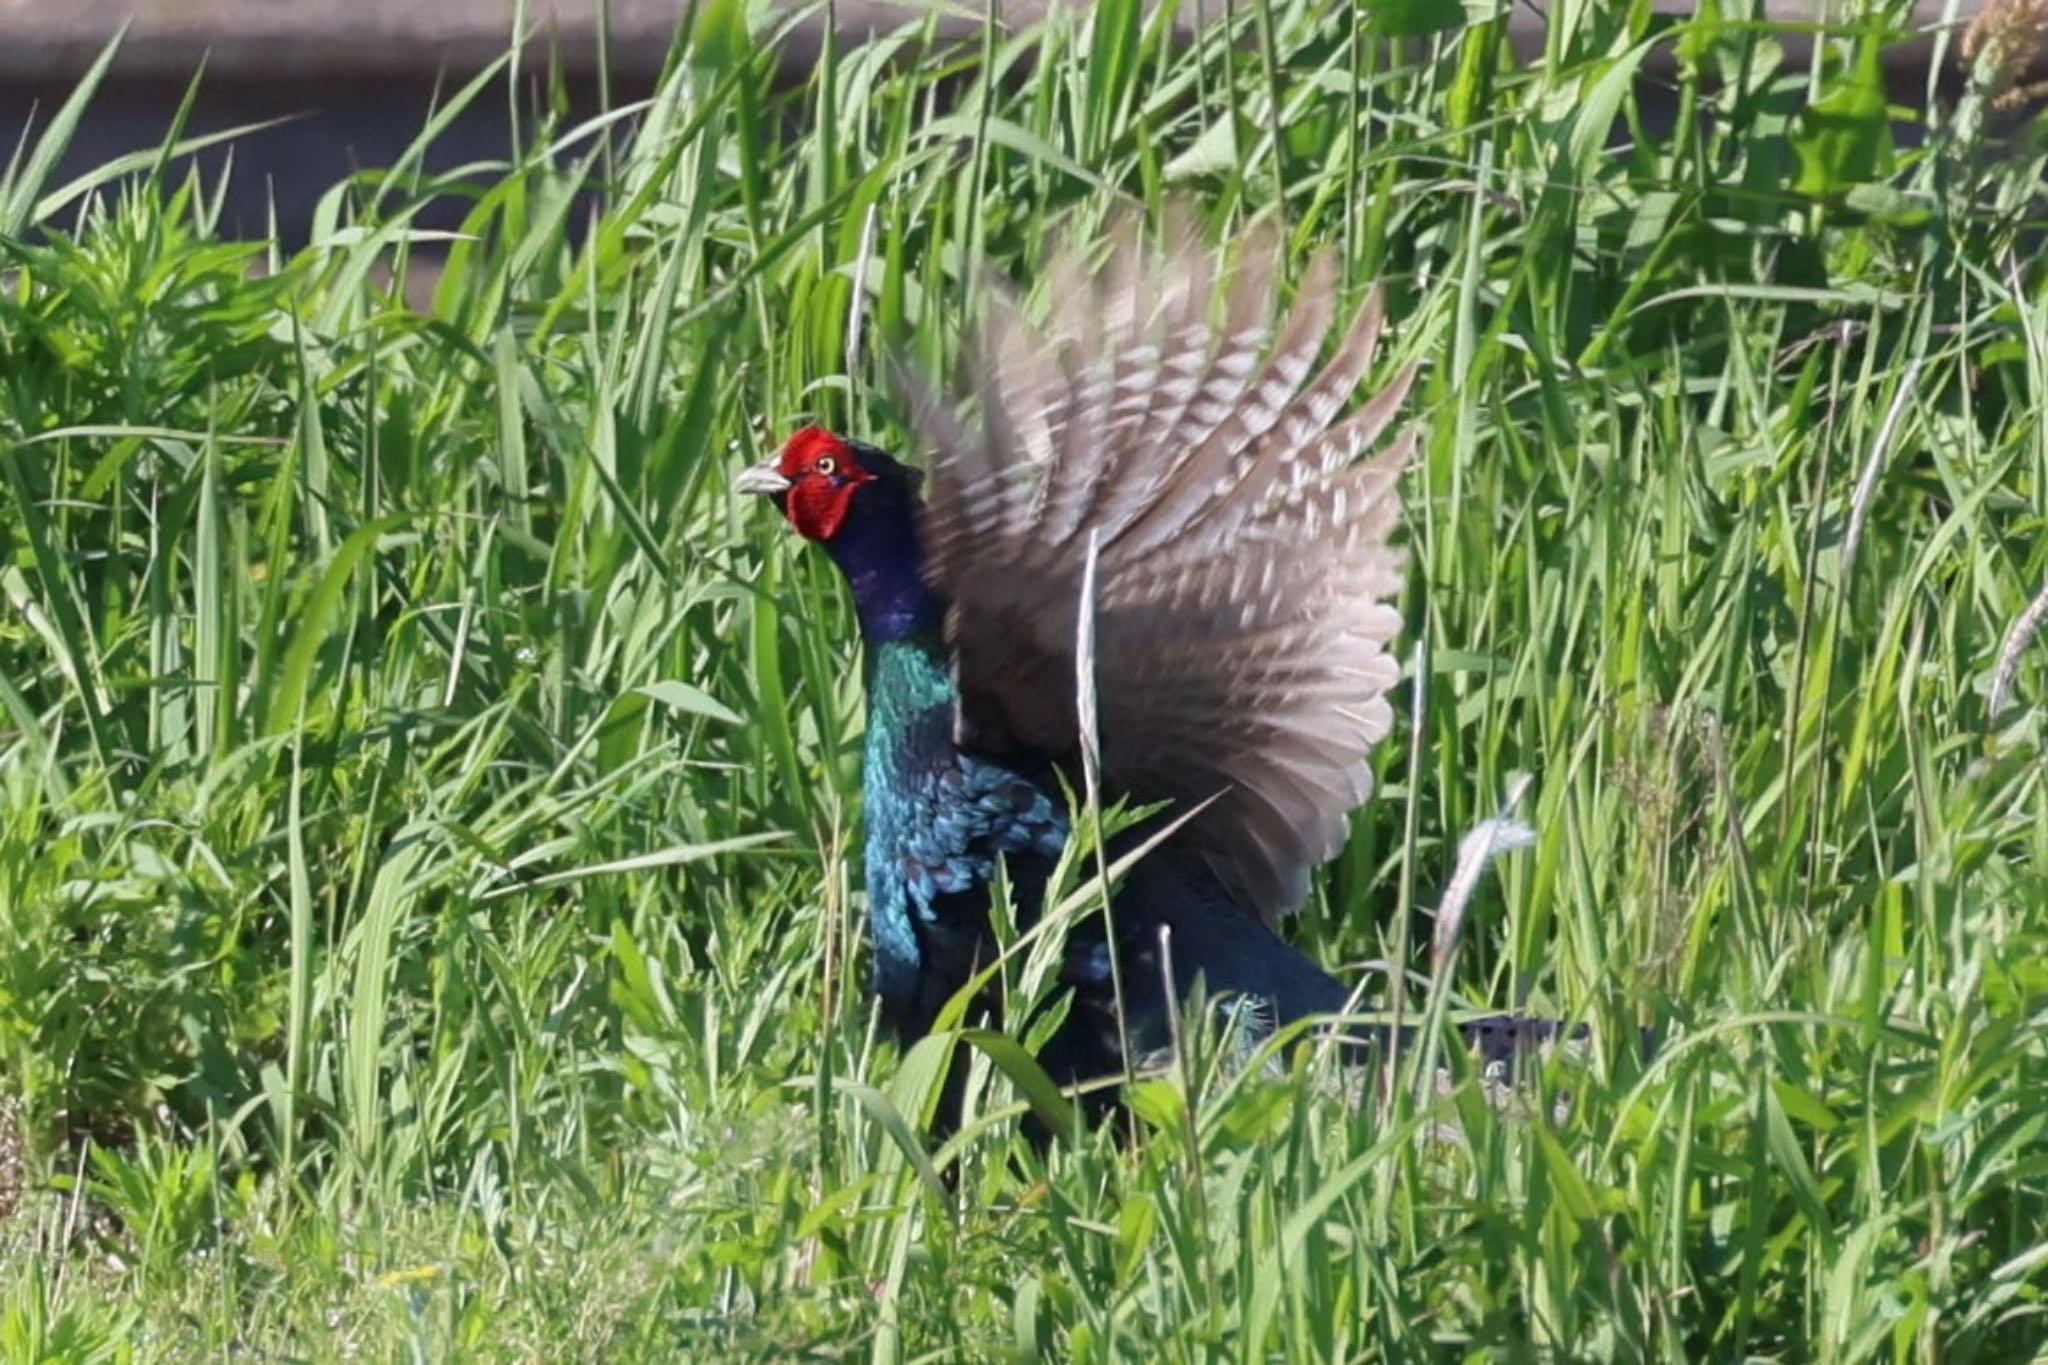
[[1844, 137]]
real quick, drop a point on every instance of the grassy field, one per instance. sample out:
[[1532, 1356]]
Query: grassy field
[[430, 921]]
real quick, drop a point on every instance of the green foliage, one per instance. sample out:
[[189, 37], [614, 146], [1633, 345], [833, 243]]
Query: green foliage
[[429, 923], [1845, 136]]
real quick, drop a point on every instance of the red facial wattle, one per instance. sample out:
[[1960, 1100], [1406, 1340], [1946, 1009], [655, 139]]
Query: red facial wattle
[[823, 478], [818, 508], [806, 446]]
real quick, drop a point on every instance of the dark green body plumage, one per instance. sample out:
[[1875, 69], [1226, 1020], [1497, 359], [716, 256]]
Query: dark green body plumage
[[937, 821], [939, 817]]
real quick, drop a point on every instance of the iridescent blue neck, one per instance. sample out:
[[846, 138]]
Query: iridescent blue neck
[[882, 555]]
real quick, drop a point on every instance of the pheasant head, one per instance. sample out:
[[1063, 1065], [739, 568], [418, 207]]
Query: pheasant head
[[861, 505]]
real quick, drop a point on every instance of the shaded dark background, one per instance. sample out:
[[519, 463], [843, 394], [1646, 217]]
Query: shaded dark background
[[333, 129]]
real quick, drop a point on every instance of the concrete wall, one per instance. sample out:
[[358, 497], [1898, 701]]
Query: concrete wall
[[316, 40]]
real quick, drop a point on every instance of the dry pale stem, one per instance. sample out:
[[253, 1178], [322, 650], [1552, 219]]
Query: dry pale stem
[[2009, 39]]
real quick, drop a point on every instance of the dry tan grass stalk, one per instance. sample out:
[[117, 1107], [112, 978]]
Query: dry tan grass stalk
[[2011, 39]]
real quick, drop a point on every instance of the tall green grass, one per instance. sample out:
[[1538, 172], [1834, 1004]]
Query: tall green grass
[[429, 923]]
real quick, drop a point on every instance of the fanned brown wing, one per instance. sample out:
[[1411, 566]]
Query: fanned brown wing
[[1244, 572]]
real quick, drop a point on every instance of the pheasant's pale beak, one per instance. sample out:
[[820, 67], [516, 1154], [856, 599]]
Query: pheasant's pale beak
[[761, 478]]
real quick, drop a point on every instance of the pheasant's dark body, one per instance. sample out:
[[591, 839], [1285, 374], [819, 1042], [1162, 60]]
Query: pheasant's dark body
[[939, 816], [1182, 466], [938, 819]]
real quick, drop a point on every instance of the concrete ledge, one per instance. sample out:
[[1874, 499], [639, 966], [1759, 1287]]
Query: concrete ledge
[[273, 40], [42, 41]]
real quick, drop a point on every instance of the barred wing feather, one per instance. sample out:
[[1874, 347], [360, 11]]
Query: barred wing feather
[[1244, 577]]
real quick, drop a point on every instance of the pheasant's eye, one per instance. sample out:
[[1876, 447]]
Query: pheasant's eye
[[826, 466]]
